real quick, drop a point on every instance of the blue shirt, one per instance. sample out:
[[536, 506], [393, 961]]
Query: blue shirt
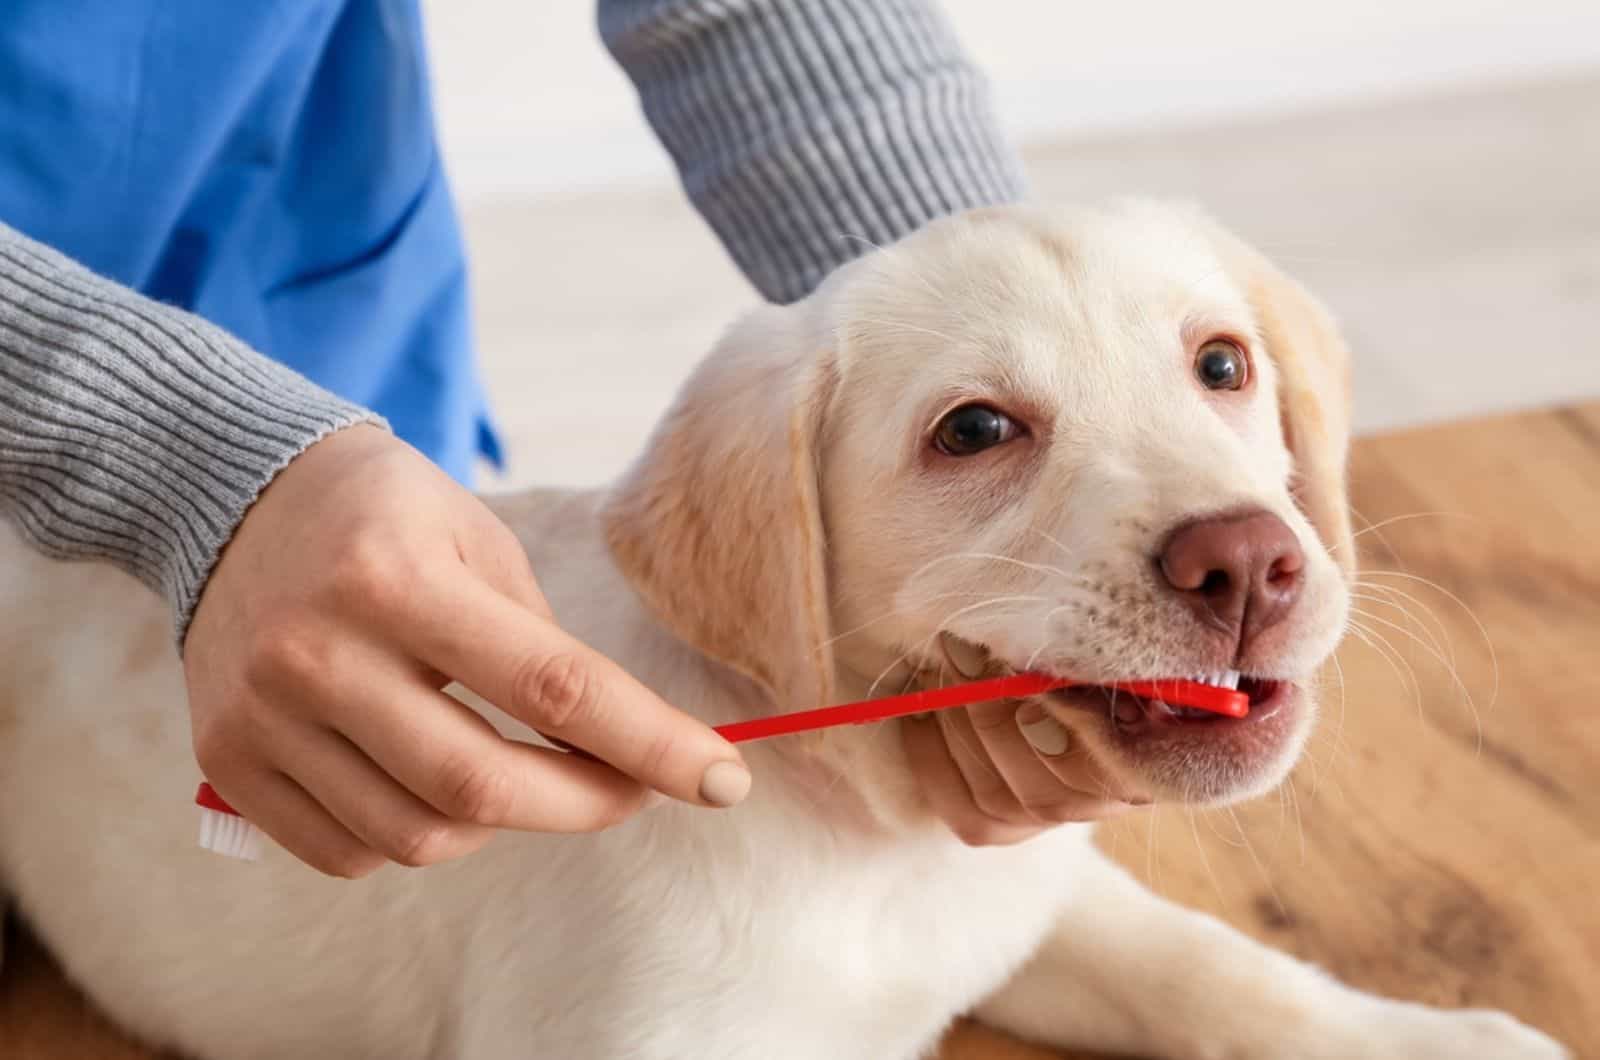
[[271, 165]]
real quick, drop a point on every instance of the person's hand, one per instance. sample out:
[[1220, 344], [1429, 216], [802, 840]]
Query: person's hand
[[1001, 772], [359, 585]]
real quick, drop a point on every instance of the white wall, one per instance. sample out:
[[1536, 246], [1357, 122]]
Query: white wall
[[529, 101]]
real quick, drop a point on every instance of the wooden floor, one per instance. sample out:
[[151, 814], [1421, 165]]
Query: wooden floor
[[1442, 842]]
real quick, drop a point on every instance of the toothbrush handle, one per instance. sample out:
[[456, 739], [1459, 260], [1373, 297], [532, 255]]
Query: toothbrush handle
[[1223, 701], [869, 710], [208, 798]]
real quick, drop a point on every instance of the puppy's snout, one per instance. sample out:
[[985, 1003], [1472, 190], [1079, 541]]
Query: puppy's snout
[[1239, 573]]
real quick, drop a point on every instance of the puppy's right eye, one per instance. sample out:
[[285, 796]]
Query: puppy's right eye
[[972, 429]]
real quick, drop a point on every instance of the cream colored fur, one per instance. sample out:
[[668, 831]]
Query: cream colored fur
[[787, 538]]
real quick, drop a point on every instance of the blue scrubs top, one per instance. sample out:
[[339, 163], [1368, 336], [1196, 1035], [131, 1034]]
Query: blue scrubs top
[[268, 164]]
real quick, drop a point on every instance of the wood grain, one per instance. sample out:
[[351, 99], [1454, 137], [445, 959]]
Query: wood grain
[[1442, 840]]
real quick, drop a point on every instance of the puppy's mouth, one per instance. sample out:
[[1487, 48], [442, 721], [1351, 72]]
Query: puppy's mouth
[[1166, 750], [1266, 695], [1127, 711]]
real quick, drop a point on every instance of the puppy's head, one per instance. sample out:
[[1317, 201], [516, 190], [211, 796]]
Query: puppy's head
[[1107, 444]]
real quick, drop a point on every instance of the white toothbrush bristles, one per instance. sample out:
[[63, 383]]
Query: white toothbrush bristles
[[231, 836]]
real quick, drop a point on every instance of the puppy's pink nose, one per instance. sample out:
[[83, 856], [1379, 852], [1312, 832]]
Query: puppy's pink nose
[[1239, 573]]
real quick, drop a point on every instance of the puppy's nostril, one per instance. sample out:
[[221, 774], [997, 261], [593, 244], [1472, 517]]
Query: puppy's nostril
[[1283, 573], [1215, 583]]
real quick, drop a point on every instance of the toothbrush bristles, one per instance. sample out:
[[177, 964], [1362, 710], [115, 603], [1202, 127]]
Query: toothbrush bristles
[[229, 835]]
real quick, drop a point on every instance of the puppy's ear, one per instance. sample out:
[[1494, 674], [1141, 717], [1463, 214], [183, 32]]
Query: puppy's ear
[[1313, 366], [718, 525]]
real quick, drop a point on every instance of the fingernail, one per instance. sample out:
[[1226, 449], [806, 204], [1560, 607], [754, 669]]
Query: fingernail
[[1047, 736], [725, 784]]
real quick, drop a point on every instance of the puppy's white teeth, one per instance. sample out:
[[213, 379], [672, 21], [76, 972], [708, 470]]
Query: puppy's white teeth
[[1219, 679]]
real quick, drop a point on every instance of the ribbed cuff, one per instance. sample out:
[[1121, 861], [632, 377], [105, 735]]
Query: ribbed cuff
[[806, 131], [134, 432]]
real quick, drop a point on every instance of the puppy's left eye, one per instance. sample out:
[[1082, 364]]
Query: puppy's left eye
[[1221, 365], [972, 429]]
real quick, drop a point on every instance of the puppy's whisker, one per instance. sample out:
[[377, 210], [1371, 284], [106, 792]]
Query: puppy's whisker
[[899, 612], [1472, 616], [1338, 729], [1261, 870], [1065, 551], [903, 658], [990, 557], [1455, 676], [923, 644], [1443, 647], [1299, 820], [1283, 812], [1397, 662], [1359, 632], [1376, 531], [1386, 648], [960, 612], [1200, 849], [1211, 825], [1150, 860], [1313, 766], [1443, 653], [1379, 525], [1434, 621]]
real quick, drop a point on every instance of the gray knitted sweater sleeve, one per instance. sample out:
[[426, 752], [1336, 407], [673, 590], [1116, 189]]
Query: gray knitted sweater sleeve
[[806, 130], [136, 433]]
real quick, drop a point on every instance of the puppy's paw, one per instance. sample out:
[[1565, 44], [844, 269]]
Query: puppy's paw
[[1417, 1032]]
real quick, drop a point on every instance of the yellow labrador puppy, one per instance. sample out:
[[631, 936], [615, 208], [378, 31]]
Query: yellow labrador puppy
[[1105, 443]]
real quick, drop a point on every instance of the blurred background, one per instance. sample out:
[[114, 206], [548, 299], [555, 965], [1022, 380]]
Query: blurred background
[[1431, 168]]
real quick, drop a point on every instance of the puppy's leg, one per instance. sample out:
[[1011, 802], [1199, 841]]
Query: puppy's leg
[[1126, 972]]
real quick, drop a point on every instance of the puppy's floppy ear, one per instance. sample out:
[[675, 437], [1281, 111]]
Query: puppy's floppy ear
[[1313, 366], [718, 525]]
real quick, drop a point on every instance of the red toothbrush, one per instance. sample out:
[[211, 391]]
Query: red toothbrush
[[1018, 686], [222, 829]]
